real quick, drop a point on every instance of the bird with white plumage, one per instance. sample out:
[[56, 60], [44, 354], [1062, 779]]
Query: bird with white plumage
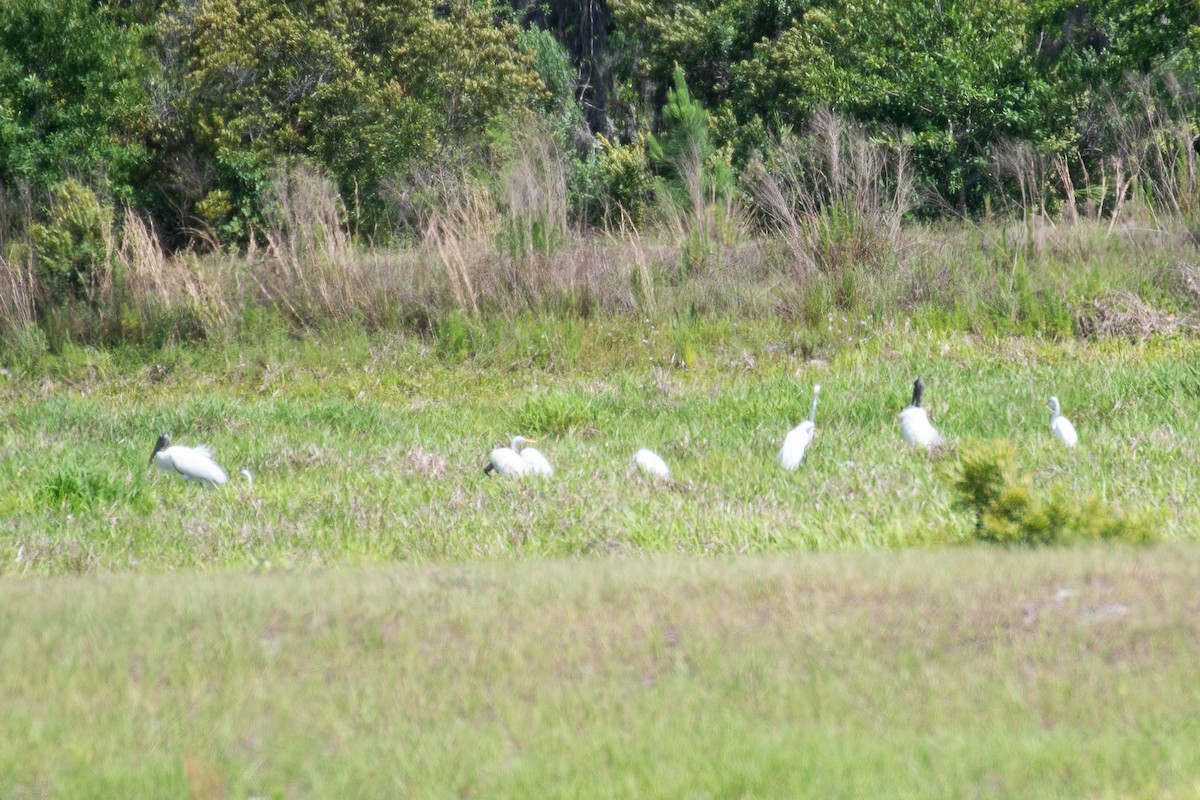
[[796, 443], [190, 463], [1060, 426], [650, 463], [518, 459], [915, 424]]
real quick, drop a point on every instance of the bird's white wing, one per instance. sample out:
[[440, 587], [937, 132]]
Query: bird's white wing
[[1065, 431], [507, 462], [650, 463], [536, 463], [794, 445], [196, 464]]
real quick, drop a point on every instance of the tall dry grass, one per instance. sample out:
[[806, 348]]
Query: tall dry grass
[[836, 243], [310, 267], [18, 293], [835, 195], [1149, 142], [142, 286]]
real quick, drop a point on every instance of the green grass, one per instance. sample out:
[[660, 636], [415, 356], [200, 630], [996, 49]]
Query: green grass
[[261, 640], [954, 673], [369, 450]]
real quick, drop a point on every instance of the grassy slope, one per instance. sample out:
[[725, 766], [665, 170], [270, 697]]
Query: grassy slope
[[952, 673], [371, 450]]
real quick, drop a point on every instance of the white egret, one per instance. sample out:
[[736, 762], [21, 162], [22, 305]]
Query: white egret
[[191, 463], [799, 437], [1060, 426], [507, 461], [914, 423], [536, 464], [650, 463]]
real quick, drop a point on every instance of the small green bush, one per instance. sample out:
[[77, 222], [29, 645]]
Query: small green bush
[[71, 247], [615, 178], [1010, 510]]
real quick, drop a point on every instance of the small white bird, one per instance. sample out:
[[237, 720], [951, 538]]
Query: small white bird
[[1060, 426], [507, 461], [191, 463], [799, 437], [914, 424], [650, 463]]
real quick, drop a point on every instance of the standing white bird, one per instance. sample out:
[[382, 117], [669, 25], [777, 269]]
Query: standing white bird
[[191, 463], [799, 437], [507, 461], [1060, 426], [650, 463], [914, 424]]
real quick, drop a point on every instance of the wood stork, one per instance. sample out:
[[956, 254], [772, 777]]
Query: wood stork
[[914, 423], [190, 463]]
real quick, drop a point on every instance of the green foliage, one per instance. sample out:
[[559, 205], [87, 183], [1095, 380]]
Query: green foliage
[[74, 94], [616, 178], [183, 109], [75, 489], [684, 133], [959, 76], [70, 249], [551, 63], [557, 412], [1010, 510], [361, 90]]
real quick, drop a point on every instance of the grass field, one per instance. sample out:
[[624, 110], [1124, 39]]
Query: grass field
[[953, 673], [371, 450], [562, 637]]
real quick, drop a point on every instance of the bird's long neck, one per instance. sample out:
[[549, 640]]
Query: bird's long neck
[[812, 416], [918, 390]]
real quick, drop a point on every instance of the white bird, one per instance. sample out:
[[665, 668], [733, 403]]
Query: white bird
[[1060, 426], [536, 464], [191, 463], [914, 424], [799, 437], [649, 463], [507, 461]]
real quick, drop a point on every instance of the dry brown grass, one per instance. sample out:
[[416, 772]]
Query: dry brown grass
[[18, 290], [836, 195], [1124, 314], [143, 283]]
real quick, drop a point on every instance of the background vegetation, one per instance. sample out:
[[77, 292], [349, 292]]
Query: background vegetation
[[397, 164]]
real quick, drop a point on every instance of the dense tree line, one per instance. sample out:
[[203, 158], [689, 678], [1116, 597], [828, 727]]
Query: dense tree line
[[181, 108]]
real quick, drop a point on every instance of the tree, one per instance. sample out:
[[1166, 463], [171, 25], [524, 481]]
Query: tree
[[359, 88], [74, 97]]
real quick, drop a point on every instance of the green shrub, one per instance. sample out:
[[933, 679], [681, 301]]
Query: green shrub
[[1010, 510], [71, 247], [615, 178]]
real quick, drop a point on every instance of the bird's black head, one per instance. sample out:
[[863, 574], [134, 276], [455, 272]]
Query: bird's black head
[[163, 442], [918, 390]]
